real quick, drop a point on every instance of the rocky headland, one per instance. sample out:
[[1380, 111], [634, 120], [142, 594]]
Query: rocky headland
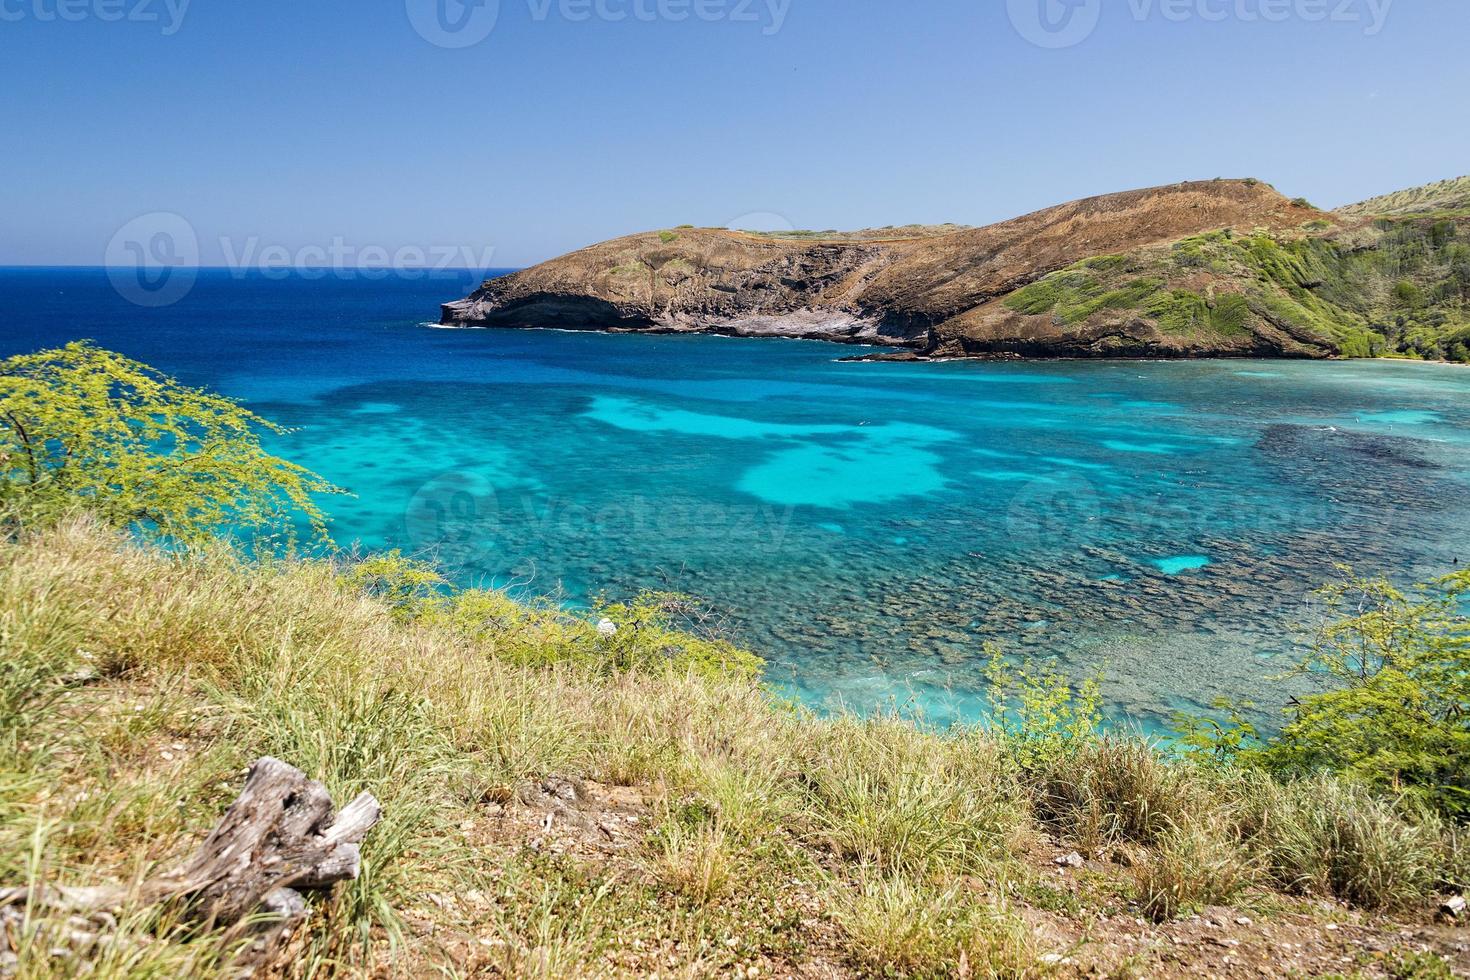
[[1213, 268]]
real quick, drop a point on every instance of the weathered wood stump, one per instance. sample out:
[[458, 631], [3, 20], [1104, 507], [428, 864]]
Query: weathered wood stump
[[280, 835]]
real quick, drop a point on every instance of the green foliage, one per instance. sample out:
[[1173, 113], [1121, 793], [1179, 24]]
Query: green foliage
[[1396, 714], [668, 237], [1359, 344], [1075, 294], [651, 632], [82, 427], [909, 807], [1107, 263], [1230, 313], [1444, 195], [1399, 289], [1421, 966], [764, 833], [1038, 709], [1192, 864], [1111, 789], [1180, 311], [666, 629], [1218, 742], [1407, 295], [406, 585]]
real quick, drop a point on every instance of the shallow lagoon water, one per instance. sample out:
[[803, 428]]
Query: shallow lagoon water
[[865, 526]]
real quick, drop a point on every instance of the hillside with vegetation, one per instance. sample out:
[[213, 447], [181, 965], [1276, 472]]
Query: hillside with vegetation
[[1391, 287], [614, 792], [1451, 195], [1223, 268]]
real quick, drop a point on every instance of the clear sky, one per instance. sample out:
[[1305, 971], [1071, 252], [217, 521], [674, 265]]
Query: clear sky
[[299, 123]]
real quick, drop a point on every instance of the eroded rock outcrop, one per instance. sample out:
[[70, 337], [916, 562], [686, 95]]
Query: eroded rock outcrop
[[1198, 269]]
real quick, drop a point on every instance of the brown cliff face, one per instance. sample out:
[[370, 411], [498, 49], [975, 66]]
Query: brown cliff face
[[932, 291]]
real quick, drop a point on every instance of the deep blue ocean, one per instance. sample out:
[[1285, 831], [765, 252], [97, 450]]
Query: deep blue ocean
[[864, 526]]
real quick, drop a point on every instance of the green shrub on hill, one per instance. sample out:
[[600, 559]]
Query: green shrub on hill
[[652, 631]]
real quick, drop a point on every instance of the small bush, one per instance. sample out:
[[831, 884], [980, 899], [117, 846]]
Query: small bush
[[694, 858], [1038, 710]]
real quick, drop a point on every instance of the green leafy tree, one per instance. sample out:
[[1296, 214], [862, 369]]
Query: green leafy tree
[[1396, 713], [82, 427]]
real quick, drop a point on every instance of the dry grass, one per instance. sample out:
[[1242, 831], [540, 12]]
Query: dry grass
[[899, 927], [135, 686]]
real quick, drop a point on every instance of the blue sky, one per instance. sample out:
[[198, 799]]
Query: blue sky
[[294, 125]]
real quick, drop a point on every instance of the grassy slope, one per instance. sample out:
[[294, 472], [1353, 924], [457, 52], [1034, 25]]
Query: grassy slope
[[1398, 287], [1444, 195], [720, 832]]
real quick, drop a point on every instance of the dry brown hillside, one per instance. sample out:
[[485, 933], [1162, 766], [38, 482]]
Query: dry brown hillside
[[897, 290]]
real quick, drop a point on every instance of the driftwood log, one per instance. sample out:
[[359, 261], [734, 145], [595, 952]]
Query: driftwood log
[[281, 835]]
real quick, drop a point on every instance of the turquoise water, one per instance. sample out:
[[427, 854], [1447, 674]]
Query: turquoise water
[[864, 526]]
